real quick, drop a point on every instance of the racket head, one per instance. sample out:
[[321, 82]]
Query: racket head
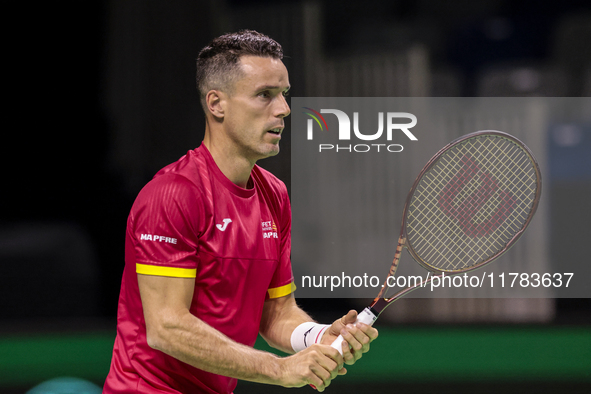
[[471, 202]]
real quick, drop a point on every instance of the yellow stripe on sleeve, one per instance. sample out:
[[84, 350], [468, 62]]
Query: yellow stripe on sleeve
[[165, 271], [281, 291]]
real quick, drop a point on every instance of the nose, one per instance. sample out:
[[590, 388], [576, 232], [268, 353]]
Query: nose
[[283, 109]]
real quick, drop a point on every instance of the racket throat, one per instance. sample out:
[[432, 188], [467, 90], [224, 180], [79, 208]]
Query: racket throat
[[378, 305]]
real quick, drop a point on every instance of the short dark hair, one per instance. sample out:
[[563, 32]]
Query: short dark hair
[[217, 63]]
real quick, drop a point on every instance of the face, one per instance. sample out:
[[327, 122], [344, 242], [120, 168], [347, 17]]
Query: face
[[254, 112]]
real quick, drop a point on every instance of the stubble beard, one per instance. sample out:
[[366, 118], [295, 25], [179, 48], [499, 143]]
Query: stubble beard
[[254, 150]]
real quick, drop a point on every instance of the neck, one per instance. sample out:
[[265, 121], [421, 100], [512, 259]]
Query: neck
[[233, 165]]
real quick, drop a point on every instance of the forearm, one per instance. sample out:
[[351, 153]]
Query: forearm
[[280, 318], [194, 342]]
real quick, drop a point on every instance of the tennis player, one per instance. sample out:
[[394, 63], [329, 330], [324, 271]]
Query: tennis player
[[207, 253]]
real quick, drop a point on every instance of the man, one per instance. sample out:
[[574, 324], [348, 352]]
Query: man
[[208, 250]]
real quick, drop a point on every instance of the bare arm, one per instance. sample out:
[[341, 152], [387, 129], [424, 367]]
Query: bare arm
[[282, 315], [172, 329]]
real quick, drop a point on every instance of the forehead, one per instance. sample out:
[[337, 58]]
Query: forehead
[[259, 72]]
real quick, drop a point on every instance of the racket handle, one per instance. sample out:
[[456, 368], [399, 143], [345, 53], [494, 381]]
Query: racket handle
[[366, 316]]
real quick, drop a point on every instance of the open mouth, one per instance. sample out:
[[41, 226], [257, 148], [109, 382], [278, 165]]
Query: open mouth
[[275, 131]]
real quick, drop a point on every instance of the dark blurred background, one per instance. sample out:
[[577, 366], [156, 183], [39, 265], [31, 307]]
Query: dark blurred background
[[101, 95]]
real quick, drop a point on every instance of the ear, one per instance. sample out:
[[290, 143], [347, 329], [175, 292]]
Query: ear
[[214, 101]]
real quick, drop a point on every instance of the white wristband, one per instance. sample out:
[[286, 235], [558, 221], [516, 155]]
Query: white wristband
[[307, 334]]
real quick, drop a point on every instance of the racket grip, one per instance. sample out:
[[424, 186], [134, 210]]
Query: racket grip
[[366, 316]]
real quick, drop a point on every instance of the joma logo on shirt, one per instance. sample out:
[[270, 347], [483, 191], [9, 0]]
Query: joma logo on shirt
[[269, 229], [157, 238]]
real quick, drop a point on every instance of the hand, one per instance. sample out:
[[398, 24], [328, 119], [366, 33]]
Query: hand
[[357, 336], [317, 365]]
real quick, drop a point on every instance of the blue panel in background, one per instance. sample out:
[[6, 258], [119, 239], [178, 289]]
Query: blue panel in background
[[569, 152]]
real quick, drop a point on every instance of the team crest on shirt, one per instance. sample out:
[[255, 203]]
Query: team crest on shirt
[[269, 229]]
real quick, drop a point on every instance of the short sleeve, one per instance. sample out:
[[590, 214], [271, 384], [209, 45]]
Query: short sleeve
[[282, 282], [164, 227]]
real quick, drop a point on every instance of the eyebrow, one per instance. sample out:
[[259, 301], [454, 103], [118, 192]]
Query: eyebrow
[[273, 87]]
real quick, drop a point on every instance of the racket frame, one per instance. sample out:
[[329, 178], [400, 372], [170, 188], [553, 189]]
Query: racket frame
[[381, 302]]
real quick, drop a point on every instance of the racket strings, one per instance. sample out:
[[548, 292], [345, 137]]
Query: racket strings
[[501, 166], [471, 203]]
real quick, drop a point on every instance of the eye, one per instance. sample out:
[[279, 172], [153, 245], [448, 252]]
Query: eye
[[264, 94]]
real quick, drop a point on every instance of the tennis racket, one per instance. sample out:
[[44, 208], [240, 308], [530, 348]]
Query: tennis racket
[[469, 205]]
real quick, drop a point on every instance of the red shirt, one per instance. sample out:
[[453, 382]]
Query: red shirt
[[191, 221]]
